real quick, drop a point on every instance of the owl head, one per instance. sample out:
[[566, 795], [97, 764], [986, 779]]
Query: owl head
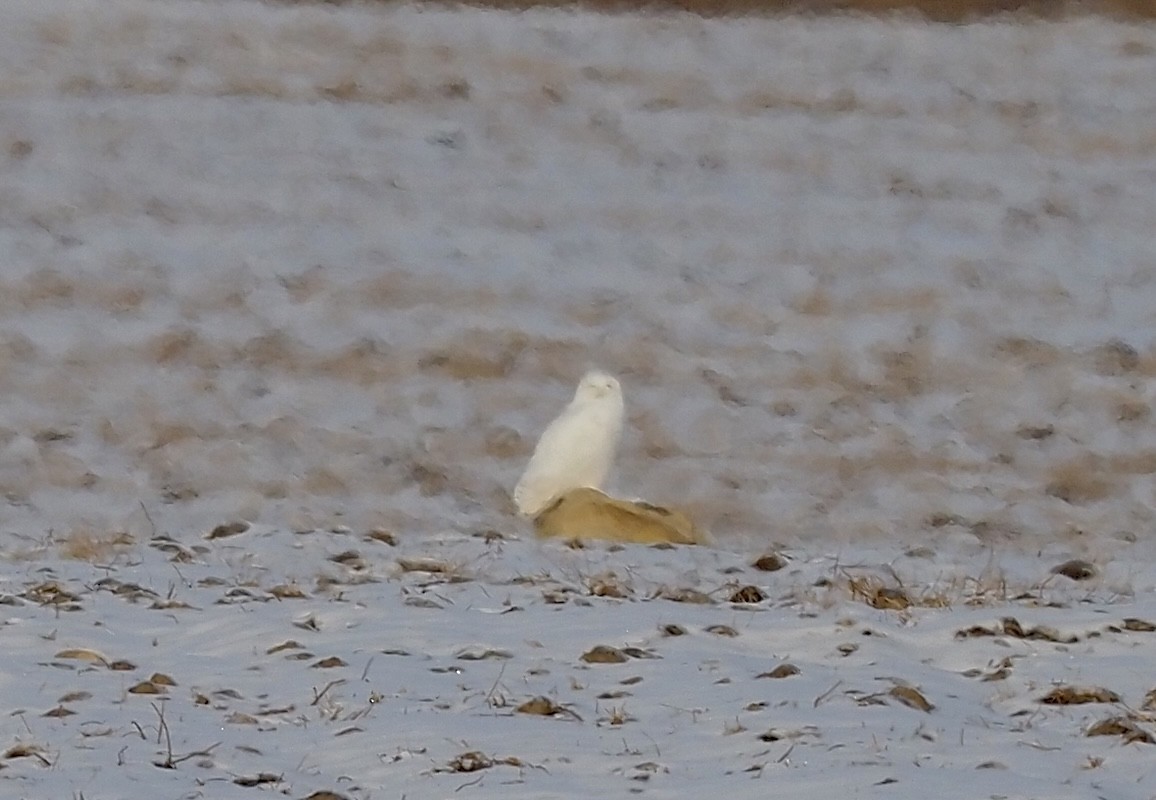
[[597, 384]]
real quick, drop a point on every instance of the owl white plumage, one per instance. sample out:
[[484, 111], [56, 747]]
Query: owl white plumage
[[577, 449]]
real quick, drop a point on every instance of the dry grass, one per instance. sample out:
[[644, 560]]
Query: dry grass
[[1140, 463], [1079, 481], [923, 300], [476, 354], [891, 460], [816, 303], [907, 372], [87, 544], [890, 595], [365, 363], [1031, 353]]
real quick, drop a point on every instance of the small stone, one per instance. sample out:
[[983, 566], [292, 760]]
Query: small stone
[[748, 594], [1076, 569], [771, 562], [604, 654], [590, 514]]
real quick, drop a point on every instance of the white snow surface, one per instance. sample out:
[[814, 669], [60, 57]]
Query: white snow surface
[[881, 294]]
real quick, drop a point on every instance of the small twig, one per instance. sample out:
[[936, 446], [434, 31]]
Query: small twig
[[785, 755], [365, 671], [657, 749], [494, 688], [827, 693], [24, 721], [318, 695], [1038, 746], [208, 751], [474, 782], [180, 575], [163, 727], [694, 712], [149, 517]]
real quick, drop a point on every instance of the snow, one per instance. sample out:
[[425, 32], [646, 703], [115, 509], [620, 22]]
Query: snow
[[880, 295]]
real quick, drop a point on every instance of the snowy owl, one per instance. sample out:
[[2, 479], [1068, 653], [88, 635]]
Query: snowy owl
[[576, 449]]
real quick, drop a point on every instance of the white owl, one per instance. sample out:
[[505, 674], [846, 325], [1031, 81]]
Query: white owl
[[577, 449]]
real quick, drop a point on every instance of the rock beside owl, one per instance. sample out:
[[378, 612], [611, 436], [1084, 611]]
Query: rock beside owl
[[577, 449]]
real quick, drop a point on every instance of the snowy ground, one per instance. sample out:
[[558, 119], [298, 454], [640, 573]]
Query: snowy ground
[[880, 295]]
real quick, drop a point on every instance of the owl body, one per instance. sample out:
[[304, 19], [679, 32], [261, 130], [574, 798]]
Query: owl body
[[577, 449]]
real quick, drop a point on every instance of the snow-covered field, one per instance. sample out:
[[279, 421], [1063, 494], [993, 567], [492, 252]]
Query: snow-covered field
[[288, 292]]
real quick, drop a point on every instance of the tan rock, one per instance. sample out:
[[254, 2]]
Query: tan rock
[[591, 514]]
